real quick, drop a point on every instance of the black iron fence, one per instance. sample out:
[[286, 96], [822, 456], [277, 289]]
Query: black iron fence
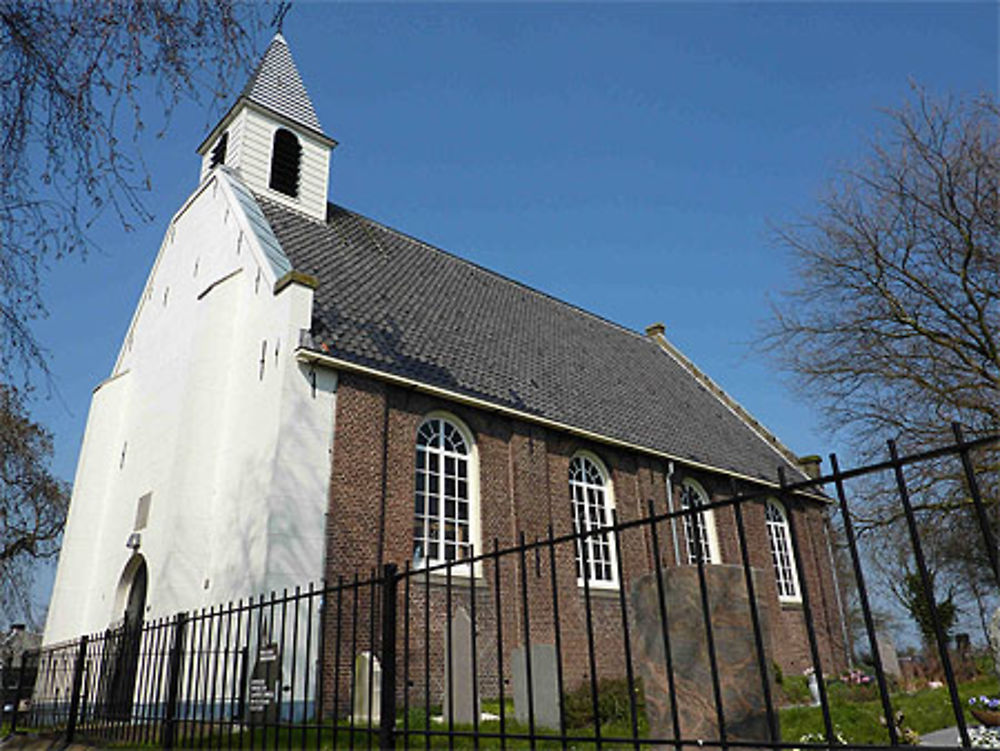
[[555, 641]]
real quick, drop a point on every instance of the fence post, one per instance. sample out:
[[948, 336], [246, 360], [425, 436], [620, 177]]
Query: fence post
[[17, 693], [174, 667], [74, 699], [5, 671], [387, 701]]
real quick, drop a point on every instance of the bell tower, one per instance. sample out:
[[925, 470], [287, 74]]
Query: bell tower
[[272, 138]]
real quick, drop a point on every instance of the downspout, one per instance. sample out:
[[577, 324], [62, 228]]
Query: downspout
[[670, 508], [380, 541], [836, 592]]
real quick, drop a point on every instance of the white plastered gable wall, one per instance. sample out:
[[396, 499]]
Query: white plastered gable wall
[[208, 410]]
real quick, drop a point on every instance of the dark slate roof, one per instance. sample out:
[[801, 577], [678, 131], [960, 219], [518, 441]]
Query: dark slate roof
[[276, 84], [390, 302]]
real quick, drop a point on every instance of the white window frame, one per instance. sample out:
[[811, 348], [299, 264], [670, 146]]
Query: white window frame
[[471, 459], [779, 538], [578, 492], [710, 539]]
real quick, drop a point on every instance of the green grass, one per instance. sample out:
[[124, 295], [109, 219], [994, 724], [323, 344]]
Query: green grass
[[795, 689], [327, 737], [856, 717], [923, 711]]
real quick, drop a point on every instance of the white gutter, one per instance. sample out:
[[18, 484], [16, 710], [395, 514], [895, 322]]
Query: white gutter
[[308, 355]]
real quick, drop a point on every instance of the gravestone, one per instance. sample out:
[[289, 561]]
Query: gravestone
[[736, 656], [887, 653], [265, 683], [366, 689], [544, 685], [813, 683], [995, 640], [458, 677], [962, 644]]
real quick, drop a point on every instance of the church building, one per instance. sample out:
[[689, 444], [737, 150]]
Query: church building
[[304, 392]]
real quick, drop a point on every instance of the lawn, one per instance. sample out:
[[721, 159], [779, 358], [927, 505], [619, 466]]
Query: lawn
[[858, 721], [923, 711]]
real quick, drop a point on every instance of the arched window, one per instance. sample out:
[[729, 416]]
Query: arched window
[[219, 151], [592, 504], [445, 519], [286, 154], [699, 528], [781, 551]]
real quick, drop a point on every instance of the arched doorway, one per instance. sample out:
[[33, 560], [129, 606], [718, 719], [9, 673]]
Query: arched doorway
[[136, 604], [123, 641]]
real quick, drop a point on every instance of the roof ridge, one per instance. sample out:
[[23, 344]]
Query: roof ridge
[[491, 272]]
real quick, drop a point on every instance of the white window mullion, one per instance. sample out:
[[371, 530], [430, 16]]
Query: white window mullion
[[441, 444], [591, 502], [699, 527], [779, 537]]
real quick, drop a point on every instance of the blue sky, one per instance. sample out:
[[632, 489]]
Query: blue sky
[[625, 158]]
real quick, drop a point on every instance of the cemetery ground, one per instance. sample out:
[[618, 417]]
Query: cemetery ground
[[856, 713]]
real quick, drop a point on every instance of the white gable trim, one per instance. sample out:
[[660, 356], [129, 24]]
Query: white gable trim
[[727, 401], [255, 232]]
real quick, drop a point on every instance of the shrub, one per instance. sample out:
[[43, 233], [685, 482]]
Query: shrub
[[795, 690], [613, 704]]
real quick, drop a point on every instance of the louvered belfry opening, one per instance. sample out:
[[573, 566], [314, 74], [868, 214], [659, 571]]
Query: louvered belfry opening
[[286, 155], [219, 152]]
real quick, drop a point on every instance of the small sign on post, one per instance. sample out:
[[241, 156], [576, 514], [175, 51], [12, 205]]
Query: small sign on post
[[264, 685]]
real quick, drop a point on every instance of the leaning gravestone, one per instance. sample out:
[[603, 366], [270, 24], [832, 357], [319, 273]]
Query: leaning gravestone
[[544, 685], [458, 675], [367, 689], [265, 684], [741, 687]]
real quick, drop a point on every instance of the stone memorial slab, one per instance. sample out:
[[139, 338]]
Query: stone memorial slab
[[366, 689], [458, 677], [739, 675], [544, 685]]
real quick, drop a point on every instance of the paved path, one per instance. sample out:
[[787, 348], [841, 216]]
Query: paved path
[[946, 737]]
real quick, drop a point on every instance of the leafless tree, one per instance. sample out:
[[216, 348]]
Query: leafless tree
[[32, 503], [893, 326], [71, 74], [76, 80]]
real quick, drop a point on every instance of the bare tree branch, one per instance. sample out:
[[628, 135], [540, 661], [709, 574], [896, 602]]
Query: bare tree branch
[[894, 325], [893, 328], [70, 120]]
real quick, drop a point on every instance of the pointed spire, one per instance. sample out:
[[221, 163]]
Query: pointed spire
[[276, 84]]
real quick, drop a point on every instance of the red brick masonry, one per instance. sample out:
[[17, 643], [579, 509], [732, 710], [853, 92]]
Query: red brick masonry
[[523, 487]]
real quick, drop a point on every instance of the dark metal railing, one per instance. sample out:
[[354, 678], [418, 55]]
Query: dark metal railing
[[397, 657]]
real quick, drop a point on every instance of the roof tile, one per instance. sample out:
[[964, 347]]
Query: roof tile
[[393, 303], [277, 85]]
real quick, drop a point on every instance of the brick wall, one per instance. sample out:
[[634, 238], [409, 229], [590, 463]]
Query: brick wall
[[523, 489]]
